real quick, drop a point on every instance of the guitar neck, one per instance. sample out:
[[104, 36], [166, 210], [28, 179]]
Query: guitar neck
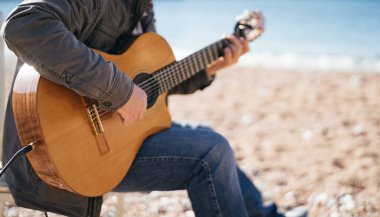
[[176, 73]]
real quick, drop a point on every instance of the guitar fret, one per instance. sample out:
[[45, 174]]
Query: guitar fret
[[186, 68], [197, 64], [184, 71], [215, 50], [164, 78], [178, 74], [209, 55], [206, 57], [203, 60], [176, 77], [162, 81], [190, 68], [193, 69], [156, 77], [162, 84], [171, 78], [174, 73], [158, 82]]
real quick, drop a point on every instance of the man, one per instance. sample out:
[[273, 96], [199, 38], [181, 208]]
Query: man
[[55, 36]]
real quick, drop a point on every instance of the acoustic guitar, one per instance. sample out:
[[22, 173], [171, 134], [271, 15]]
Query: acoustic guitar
[[85, 150]]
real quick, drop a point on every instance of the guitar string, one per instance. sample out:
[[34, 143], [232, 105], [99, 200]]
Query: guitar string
[[177, 70], [197, 53], [172, 71], [202, 53], [155, 84], [220, 45]]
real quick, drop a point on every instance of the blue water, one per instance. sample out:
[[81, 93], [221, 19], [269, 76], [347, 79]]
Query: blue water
[[337, 27], [322, 34]]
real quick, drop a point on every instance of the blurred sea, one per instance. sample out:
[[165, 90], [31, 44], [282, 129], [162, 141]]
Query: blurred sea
[[327, 35]]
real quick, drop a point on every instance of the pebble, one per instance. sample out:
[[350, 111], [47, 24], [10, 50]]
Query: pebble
[[346, 202], [189, 213], [307, 135], [335, 214], [154, 194], [355, 81], [246, 120], [165, 201], [358, 130], [300, 211], [331, 202], [290, 199], [321, 199]]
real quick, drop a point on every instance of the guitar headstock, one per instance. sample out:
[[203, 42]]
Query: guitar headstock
[[250, 25]]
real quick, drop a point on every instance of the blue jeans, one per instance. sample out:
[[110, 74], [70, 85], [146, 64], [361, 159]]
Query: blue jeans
[[202, 162]]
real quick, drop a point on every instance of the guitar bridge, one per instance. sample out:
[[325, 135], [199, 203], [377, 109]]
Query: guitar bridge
[[94, 118]]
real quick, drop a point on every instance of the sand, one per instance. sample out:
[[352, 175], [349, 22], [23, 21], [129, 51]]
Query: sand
[[307, 139]]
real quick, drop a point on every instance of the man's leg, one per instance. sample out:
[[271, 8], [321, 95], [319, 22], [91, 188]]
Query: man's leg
[[198, 160], [253, 200]]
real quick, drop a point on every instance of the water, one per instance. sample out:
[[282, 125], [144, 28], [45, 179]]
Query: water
[[332, 35]]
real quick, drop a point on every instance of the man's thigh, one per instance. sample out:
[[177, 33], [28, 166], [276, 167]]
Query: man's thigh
[[167, 160]]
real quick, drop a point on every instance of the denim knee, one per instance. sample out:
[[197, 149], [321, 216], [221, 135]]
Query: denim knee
[[220, 152]]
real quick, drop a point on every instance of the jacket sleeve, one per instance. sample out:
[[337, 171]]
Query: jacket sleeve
[[43, 34], [198, 82]]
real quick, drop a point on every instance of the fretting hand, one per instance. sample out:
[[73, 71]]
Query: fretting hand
[[232, 53]]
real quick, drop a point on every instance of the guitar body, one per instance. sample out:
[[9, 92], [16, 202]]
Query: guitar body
[[69, 155]]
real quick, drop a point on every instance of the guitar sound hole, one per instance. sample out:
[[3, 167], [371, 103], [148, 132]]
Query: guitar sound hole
[[149, 85]]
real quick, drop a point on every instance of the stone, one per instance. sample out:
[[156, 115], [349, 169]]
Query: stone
[[300, 211]]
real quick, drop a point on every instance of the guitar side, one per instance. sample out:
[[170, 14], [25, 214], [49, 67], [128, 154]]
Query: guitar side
[[69, 155]]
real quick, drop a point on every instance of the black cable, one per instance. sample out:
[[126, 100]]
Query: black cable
[[20, 152], [46, 214]]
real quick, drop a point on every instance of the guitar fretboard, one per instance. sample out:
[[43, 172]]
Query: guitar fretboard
[[178, 72]]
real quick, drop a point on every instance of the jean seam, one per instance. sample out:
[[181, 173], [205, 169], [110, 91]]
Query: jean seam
[[166, 157], [212, 187], [204, 163]]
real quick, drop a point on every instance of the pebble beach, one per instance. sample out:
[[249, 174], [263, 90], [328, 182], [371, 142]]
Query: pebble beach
[[309, 141], [301, 112]]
